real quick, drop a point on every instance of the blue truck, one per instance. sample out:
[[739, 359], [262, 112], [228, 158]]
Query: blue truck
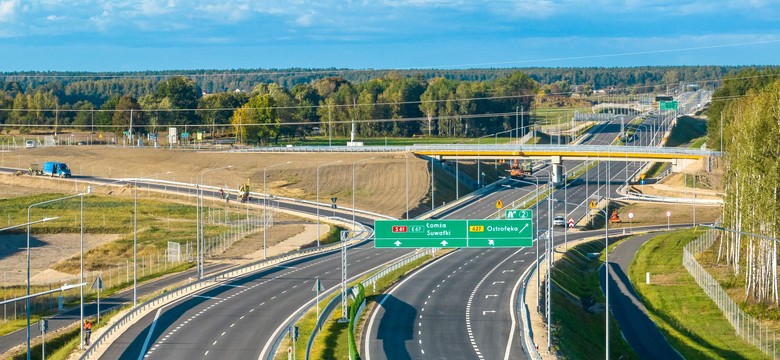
[[53, 168]]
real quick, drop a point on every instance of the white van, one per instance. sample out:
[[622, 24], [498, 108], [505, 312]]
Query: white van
[[29, 144]]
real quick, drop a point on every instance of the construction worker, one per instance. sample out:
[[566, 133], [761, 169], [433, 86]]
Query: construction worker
[[87, 331]]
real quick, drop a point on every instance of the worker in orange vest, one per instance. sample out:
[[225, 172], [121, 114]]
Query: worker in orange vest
[[87, 331]]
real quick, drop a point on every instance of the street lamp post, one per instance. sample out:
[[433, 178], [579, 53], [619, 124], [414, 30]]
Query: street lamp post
[[265, 206], [27, 301], [406, 180], [318, 198], [135, 236], [200, 239], [353, 187]]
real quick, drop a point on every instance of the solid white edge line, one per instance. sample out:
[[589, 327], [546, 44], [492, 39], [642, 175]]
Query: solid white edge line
[[151, 330], [272, 340], [512, 302], [376, 307]]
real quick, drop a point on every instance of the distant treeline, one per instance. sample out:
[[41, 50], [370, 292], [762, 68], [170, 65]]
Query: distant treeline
[[96, 86], [294, 102]]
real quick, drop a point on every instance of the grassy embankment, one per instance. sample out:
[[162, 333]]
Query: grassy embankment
[[689, 319], [690, 132], [578, 311], [158, 223]]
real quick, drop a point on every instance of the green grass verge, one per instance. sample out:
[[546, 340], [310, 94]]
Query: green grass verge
[[578, 310], [689, 319], [61, 345], [332, 341], [686, 130]]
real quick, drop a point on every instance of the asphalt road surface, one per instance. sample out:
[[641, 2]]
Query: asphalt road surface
[[639, 331], [459, 306]]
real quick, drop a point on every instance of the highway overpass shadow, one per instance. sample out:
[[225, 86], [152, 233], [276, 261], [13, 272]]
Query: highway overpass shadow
[[11, 244], [396, 328]]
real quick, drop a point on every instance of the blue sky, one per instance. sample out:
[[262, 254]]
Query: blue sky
[[93, 35]]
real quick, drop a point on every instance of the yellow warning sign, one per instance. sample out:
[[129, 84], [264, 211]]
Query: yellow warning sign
[[592, 204], [641, 176], [476, 228], [499, 204], [100, 136]]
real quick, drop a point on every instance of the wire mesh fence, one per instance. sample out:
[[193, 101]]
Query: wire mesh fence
[[122, 274], [747, 327]]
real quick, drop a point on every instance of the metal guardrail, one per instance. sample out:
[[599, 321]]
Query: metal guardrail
[[139, 311], [328, 310], [623, 190], [526, 316], [261, 195]]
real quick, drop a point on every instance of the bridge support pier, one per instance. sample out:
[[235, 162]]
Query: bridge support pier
[[557, 176]]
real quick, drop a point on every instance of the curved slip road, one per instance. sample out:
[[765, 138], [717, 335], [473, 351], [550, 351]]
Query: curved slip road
[[459, 306], [639, 331]]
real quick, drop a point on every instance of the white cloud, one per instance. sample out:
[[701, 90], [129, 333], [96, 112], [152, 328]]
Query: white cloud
[[8, 10], [305, 20]]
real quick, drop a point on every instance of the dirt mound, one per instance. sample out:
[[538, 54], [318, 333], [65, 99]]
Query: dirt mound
[[379, 182]]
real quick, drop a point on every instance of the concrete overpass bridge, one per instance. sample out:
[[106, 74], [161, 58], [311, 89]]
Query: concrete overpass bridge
[[625, 107], [678, 157]]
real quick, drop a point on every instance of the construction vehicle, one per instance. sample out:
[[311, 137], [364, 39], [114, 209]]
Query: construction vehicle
[[615, 218], [244, 192], [516, 171]]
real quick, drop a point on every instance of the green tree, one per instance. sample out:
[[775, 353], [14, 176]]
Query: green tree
[[215, 110], [128, 113], [182, 94], [256, 120]]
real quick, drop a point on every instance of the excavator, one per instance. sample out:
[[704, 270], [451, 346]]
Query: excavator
[[516, 171], [244, 192]]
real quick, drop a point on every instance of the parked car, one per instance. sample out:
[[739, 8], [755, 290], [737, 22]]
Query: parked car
[[29, 144]]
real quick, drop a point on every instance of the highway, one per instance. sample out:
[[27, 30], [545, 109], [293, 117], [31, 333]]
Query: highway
[[459, 306]]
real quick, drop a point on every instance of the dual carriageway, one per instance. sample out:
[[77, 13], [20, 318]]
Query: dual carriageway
[[459, 306]]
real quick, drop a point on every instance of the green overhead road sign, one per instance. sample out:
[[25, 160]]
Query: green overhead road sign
[[500, 233], [420, 233], [668, 105], [453, 233], [519, 214]]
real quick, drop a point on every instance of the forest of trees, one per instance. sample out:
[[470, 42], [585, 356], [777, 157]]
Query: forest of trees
[[274, 104], [752, 204]]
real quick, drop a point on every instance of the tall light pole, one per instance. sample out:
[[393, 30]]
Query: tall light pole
[[135, 236], [27, 301], [406, 179], [200, 241], [353, 186], [265, 206], [318, 198]]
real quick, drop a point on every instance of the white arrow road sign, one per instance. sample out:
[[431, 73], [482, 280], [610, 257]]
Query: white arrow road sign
[[444, 243], [491, 242], [397, 243]]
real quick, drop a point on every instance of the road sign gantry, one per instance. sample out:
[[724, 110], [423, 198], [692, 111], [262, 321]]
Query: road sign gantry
[[453, 233]]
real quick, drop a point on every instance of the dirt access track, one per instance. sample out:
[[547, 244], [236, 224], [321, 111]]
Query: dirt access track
[[379, 182]]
